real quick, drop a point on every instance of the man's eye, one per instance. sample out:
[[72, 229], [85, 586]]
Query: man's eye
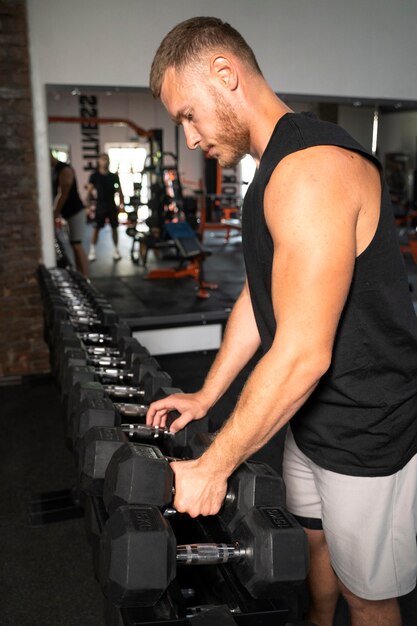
[[189, 117]]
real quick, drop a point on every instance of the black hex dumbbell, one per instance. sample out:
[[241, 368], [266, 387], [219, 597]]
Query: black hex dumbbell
[[139, 554], [63, 332], [84, 391], [83, 381], [141, 364], [100, 443], [64, 329], [92, 406], [63, 336], [141, 474], [120, 358], [82, 317]]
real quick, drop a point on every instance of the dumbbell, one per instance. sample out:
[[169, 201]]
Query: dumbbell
[[75, 283], [132, 377], [64, 329], [150, 379], [70, 294], [141, 474], [139, 554], [69, 285], [96, 409], [68, 304], [126, 370], [64, 333], [89, 403], [96, 350], [73, 352], [71, 303], [154, 379], [74, 292], [63, 337], [100, 443], [83, 322], [65, 303]]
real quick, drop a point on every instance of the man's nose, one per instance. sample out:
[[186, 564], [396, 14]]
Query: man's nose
[[192, 137]]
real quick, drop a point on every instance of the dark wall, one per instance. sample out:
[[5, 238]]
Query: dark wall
[[22, 348]]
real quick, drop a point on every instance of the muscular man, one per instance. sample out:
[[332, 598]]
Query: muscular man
[[327, 298], [68, 204], [104, 185]]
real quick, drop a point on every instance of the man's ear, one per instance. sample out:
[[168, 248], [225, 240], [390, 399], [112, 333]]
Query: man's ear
[[224, 70]]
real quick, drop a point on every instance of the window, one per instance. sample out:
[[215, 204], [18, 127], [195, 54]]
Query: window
[[128, 161], [61, 151], [248, 167]]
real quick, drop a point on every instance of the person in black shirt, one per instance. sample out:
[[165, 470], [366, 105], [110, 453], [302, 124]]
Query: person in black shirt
[[103, 185], [68, 206], [327, 300]]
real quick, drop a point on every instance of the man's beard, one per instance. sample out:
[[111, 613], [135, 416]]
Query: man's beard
[[230, 133]]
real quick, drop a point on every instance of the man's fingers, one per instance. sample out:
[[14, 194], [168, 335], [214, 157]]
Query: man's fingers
[[157, 417], [158, 409], [181, 422], [193, 494]]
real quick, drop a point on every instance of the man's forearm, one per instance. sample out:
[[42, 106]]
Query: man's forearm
[[240, 342], [59, 203], [276, 389]]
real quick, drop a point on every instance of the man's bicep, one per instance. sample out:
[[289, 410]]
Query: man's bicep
[[313, 229], [66, 178]]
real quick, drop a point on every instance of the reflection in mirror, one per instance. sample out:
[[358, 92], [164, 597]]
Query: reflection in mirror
[[386, 128]]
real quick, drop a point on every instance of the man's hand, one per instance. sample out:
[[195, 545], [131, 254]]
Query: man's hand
[[198, 490], [58, 219], [191, 406]]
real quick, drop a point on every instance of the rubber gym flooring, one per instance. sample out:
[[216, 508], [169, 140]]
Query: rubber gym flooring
[[132, 294], [47, 576]]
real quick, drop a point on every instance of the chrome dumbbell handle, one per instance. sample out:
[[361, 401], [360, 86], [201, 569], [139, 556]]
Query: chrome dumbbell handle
[[209, 553]]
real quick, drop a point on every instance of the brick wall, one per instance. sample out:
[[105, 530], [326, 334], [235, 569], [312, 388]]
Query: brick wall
[[22, 350]]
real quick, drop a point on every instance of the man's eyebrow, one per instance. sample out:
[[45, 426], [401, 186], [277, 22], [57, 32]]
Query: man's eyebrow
[[178, 116]]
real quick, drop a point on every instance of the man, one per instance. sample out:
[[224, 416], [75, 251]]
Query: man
[[68, 205], [327, 298], [104, 185]]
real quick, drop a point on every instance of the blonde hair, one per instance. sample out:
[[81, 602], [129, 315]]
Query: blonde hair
[[186, 43]]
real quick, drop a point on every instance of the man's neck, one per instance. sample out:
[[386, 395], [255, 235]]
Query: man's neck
[[267, 110]]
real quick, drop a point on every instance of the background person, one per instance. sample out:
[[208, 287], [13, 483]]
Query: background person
[[327, 298], [104, 185], [69, 206]]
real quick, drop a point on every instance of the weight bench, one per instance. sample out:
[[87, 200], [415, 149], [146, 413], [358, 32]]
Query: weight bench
[[191, 256]]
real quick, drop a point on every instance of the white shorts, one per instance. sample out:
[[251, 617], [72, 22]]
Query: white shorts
[[370, 523]]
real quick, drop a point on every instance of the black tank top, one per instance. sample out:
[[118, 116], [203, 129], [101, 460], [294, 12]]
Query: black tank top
[[106, 186], [361, 419], [73, 203]]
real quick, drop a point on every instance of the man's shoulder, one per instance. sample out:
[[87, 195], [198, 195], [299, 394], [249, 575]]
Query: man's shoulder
[[65, 171], [61, 166]]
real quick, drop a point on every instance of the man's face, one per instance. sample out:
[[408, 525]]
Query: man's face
[[208, 119], [104, 162]]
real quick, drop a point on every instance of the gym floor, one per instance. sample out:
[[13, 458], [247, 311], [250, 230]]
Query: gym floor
[[132, 295], [47, 573]]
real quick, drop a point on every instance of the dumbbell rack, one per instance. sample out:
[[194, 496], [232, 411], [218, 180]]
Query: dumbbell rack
[[192, 592], [69, 296]]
